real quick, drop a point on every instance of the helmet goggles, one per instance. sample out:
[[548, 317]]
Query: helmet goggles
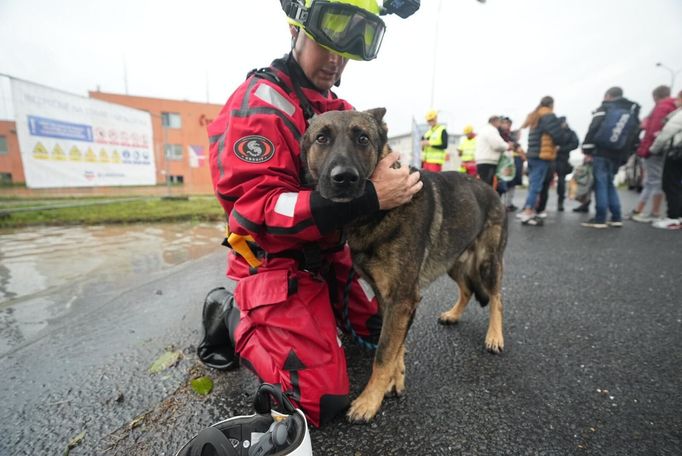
[[345, 29]]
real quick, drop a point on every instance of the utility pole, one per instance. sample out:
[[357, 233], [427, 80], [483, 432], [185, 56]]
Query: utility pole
[[435, 56]]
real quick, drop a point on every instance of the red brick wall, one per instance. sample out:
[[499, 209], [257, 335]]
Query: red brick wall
[[11, 162]]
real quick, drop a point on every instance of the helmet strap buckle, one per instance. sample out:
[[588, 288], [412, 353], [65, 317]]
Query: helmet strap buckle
[[295, 9]]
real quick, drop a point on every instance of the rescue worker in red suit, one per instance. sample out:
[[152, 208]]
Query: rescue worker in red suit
[[287, 256]]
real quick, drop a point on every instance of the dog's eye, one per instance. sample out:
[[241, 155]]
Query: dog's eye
[[363, 139], [321, 139]]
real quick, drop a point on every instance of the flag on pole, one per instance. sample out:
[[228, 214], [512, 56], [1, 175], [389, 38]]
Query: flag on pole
[[196, 155]]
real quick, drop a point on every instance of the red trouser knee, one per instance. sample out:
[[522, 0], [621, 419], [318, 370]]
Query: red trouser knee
[[289, 337]]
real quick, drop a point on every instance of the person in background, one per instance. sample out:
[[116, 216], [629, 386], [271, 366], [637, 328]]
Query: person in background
[[544, 137], [607, 159], [562, 167], [467, 151], [519, 159], [653, 164], [434, 144], [668, 143], [489, 148]]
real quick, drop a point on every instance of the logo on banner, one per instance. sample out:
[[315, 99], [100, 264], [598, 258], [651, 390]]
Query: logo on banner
[[75, 154], [254, 149], [40, 152], [58, 153], [90, 156]]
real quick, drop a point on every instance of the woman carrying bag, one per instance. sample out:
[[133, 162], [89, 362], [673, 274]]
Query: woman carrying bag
[[544, 137]]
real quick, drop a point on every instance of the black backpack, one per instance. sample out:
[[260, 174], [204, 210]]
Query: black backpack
[[617, 127]]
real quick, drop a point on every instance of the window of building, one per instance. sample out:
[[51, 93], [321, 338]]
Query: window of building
[[3, 145], [5, 178], [175, 180], [173, 151], [171, 120]]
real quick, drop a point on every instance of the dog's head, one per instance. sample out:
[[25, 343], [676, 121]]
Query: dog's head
[[341, 149]]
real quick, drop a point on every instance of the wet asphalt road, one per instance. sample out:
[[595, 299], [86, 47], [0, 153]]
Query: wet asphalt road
[[593, 326]]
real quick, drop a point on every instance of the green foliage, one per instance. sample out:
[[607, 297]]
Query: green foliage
[[163, 362], [96, 211], [202, 385]]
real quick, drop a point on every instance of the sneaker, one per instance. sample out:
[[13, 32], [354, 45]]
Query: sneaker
[[582, 208], [592, 223], [512, 208], [641, 218], [667, 224], [532, 221], [560, 206], [542, 215], [615, 223]]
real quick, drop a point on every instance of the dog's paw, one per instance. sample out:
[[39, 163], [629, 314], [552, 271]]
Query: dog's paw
[[396, 389], [363, 409], [494, 344], [447, 318]]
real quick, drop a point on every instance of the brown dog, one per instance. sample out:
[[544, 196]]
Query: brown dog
[[455, 225]]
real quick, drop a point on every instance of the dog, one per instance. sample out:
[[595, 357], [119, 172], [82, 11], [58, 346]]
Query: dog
[[455, 225]]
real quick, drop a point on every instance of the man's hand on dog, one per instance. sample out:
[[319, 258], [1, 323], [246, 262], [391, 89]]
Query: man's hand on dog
[[394, 186]]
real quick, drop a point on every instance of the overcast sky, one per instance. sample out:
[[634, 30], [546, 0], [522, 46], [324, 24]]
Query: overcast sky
[[474, 59]]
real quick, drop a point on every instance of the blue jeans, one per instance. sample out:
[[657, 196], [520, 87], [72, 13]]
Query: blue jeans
[[536, 175], [605, 192]]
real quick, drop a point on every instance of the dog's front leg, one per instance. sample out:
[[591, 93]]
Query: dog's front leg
[[388, 368]]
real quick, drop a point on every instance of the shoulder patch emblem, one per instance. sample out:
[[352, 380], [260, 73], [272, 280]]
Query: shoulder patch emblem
[[254, 149]]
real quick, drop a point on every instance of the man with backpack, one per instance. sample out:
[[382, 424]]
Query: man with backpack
[[611, 134]]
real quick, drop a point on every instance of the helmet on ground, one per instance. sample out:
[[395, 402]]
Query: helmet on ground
[[431, 115], [468, 129], [350, 28], [267, 432]]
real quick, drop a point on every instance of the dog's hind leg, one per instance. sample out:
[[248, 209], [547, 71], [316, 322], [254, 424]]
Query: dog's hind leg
[[459, 275], [490, 271], [388, 367], [494, 340]]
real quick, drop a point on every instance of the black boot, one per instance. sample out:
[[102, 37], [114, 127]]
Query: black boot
[[560, 205], [219, 320]]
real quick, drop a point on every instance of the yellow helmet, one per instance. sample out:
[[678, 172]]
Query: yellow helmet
[[350, 28], [468, 129], [431, 115]]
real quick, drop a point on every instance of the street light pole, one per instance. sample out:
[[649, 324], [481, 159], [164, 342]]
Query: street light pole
[[673, 74]]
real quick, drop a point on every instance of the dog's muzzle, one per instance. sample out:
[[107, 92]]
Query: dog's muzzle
[[343, 184]]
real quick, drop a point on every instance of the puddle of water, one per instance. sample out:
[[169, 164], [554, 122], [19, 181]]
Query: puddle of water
[[43, 271]]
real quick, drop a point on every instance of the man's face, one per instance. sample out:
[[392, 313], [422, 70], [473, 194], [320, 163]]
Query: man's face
[[321, 66], [505, 125], [678, 101]]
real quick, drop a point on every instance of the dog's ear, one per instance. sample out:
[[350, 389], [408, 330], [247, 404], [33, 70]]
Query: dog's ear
[[378, 114]]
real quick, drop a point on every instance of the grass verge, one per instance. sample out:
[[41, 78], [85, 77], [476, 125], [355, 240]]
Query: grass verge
[[97, 211]]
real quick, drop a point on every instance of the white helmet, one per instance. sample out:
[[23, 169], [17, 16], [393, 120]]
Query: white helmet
[[267, 432]]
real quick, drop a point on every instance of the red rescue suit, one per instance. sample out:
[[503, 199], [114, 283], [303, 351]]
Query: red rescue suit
[[289, 309]]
